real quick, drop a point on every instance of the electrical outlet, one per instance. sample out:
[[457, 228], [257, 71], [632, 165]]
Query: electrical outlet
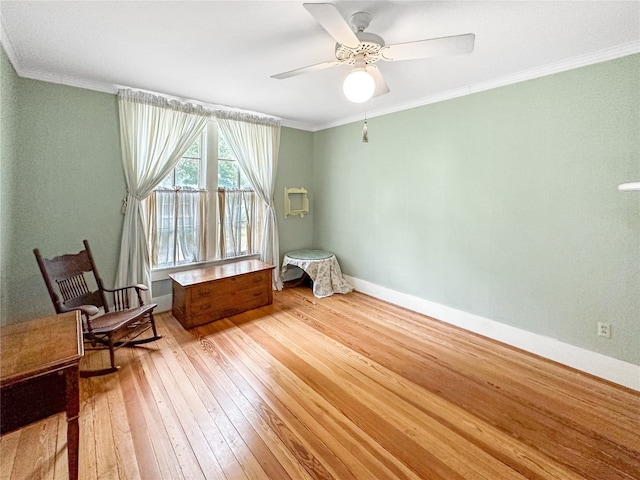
[[604, 329]]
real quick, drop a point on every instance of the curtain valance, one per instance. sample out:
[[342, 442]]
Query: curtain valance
[[247, 117], [214, 111], [146, 98]]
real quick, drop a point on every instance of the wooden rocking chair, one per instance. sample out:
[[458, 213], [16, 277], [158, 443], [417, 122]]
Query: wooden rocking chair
[[105, 325]]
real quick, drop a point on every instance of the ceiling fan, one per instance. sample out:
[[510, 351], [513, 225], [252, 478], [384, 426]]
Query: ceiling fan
[[363, 49]]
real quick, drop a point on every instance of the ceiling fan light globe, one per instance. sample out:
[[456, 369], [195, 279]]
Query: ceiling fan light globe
[[359, 86]]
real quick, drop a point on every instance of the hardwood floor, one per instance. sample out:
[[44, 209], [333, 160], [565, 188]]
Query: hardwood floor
[[346, 387]]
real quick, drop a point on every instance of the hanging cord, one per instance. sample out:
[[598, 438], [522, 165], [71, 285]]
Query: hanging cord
[[365, 128]]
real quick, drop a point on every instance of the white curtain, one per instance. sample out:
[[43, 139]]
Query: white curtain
[[154, 134], [255, 142], [177, 226], [240, 213]]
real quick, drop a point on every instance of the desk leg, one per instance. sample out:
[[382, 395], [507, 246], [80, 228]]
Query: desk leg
[[72, 376]]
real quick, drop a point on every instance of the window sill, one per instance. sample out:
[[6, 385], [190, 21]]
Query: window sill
[[159, 274]]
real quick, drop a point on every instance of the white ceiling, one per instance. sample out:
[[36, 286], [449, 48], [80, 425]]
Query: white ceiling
[[224, 52]]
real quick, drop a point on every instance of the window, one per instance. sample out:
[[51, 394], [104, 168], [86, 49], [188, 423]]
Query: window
[[190, 222]]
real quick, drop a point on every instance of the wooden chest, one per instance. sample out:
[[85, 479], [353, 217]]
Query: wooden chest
[[207, 294]]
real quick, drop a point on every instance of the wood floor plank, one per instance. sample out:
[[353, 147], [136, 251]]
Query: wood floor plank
[[172, 423], [8, 453], [332, 427], [289, 412], [377, 425], [106, 458], [221, 435], [124, 450], [214, 439], [39, 439], [165, 461], [292, 454], [61, 465], [198, 427], [345, 387], [143, 453], [423, 429], [87, 460], [479, 353], [415, 402], [204, 360], [450, 374]]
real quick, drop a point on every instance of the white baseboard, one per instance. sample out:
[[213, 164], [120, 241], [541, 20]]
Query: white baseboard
[[612, 369]]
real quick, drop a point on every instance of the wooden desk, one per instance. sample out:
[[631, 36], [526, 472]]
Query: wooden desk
[[39, 375]]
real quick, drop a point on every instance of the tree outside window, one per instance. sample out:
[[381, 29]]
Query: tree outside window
[[229, 173]]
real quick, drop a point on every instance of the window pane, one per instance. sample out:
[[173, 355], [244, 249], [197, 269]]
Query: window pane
[[244, 183], [187, 250], [187, 172], [227, 174], [165, 227], [168, 181], [194, 150], [224, 151]]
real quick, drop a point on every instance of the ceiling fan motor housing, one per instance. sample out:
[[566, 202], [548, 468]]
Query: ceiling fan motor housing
[[370, 46]]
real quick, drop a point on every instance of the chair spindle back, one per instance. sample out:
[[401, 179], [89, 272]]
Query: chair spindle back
[[72, 280]]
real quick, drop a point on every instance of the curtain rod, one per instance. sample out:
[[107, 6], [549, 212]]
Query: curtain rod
[[213, 109]]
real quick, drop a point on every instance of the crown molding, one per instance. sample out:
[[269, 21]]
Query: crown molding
[[8, 47], [612, 53], [297, 125], [69, 81], [600, 56]]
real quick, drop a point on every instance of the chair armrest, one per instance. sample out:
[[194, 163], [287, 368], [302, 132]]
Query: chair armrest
[[88, 310], [137, 286], [121, 296]]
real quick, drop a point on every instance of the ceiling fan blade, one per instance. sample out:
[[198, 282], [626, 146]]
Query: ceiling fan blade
[[433, 47], [327, 15], [309, 69], [381, 85]]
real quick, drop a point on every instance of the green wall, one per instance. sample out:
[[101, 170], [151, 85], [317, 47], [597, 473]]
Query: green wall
[[62, 182], [295, 168], [66, 184], [503, 204], [8, 157]]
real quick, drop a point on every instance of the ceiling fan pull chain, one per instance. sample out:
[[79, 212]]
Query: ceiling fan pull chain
[[365, 130]]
